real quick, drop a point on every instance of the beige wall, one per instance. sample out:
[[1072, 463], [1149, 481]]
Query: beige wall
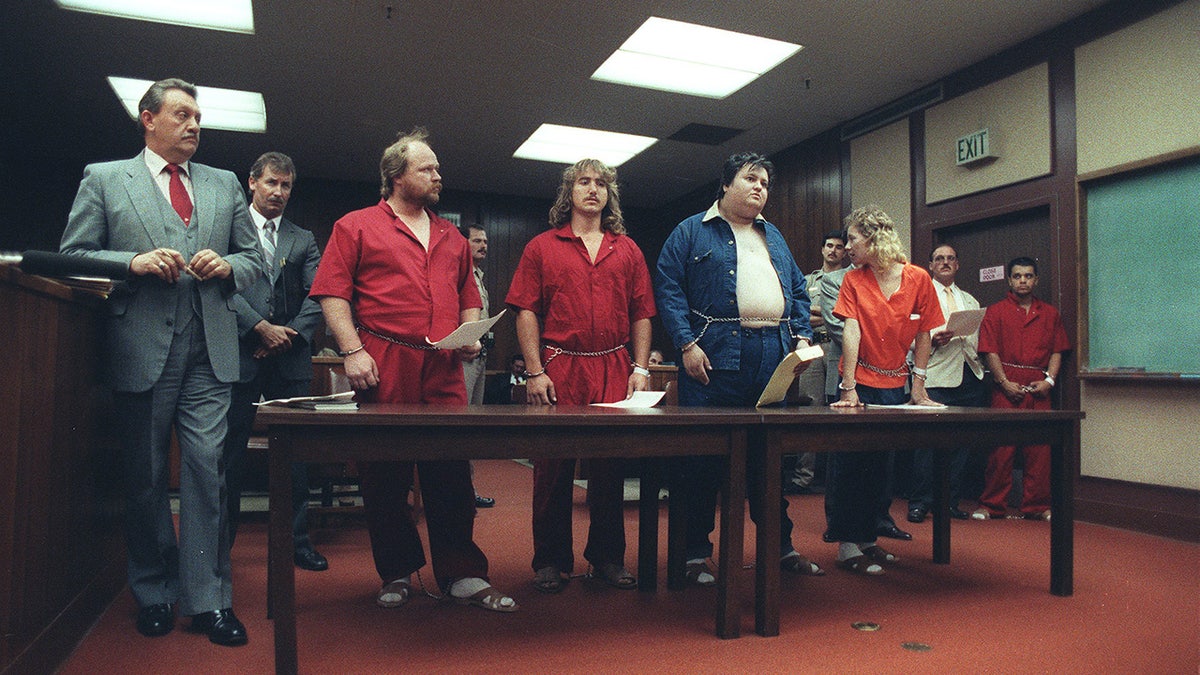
[[1138, 96], [1138, 90], [1016, 112], [880, 170]]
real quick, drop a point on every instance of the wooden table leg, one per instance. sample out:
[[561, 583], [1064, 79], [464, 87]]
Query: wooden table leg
[[766, 566], [1062, 509], [733, 509], [281, 583], [648, 489], [941, 506]]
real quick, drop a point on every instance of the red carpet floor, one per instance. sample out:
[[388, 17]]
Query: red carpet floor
[[1136, 609]]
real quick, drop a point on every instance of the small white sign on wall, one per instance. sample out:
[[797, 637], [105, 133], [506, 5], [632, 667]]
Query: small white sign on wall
[[991, 274]]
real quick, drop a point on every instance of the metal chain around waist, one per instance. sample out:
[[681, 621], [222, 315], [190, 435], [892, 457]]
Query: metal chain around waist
[[709, 320], [1023, 367], [555, 351], [402, 343], [894, 372]]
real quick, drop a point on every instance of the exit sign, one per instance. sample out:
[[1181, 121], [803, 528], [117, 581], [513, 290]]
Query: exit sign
[[973, 147]]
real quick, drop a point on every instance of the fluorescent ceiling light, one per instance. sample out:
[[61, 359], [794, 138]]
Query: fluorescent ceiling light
[[688, 59], [556, 143], [227, 109], [232, 15]]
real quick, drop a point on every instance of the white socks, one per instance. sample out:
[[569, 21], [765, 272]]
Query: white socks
[[703, 578], [467, 586]]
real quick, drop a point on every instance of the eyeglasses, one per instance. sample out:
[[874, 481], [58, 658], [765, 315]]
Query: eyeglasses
[[945, 258]]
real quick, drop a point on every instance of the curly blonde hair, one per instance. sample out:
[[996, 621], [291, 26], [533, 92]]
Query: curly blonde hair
[[883, 244], [611, 218]]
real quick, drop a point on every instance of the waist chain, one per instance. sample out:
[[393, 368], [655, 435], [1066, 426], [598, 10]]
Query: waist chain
[[1023, 367], [894, 372], [710, 320], [396, 341], [555, 351]]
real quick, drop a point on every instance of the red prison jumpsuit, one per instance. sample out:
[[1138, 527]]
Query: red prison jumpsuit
[[397, 289], [859, 493], [583, 307], [1024, 342]]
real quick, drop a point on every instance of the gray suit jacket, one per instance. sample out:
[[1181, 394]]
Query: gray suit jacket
[[281, 298], [119, 212]]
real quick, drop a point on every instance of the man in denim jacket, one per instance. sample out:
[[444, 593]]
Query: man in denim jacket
[[734, 303]]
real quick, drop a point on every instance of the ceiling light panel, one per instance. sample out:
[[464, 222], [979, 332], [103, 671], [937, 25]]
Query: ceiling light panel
[[690, 59], [229, 15], [227, 109], [567, 145]]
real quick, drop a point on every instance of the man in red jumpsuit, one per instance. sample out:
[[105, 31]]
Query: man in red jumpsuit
[[395, 274], [1022, 340], [582, 293]]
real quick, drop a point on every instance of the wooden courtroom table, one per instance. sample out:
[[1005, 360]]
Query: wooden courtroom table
[[823, 429], [380, 432]]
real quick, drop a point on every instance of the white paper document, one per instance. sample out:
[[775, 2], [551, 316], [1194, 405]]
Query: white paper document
[[467, 334], [640, 399], [343, 397], [964, 322], [777, 388]]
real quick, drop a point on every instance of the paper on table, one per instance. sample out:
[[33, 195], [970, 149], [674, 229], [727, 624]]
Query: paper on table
[[466, 334], [782, 378], [640, 399], [964, 322], [342, 397]]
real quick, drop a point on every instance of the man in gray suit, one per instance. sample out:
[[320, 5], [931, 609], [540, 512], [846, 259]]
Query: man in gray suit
[[276, 322], [171, 352]]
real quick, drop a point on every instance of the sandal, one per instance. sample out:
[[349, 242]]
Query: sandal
[[879, 555], [695, 574], [861, 564], [614, 575], [798, 564], [549, 580], [393, 594], [490, 599]]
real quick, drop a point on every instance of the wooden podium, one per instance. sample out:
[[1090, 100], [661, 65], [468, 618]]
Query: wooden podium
[[62, 556]]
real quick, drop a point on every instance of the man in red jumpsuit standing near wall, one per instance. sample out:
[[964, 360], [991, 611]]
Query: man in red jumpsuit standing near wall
[[393, 275], [1022, 340], [582, 293]]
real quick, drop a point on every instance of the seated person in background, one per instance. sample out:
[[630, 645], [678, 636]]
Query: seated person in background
[[656, 357], [499, 388]]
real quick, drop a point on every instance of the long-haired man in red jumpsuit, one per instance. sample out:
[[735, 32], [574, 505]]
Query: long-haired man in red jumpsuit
[[583, 298]]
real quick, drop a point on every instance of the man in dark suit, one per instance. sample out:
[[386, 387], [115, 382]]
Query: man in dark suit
[[276, 324], [171, 352]]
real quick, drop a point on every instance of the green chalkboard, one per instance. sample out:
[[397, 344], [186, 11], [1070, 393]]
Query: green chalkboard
[[1143, 271]]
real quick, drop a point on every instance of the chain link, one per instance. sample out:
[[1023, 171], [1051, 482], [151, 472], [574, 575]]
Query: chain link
[[709, 320], [894, 372], [402, 343]]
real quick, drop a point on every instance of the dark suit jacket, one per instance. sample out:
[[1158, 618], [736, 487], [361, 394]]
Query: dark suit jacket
[[282, 298], [119, 212]]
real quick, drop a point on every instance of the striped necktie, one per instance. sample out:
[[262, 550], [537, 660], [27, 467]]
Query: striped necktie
[[269, 244]]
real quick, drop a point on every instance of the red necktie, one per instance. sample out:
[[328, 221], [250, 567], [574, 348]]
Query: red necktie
[[179, 196]]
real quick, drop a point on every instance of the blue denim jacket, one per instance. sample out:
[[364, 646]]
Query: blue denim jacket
[[697, 270]]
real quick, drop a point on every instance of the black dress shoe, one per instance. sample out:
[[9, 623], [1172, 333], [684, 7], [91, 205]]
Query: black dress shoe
[[484, 502], [222, 627], [892, 532], [828, 538], [155, 620], [917, 514], [959, 514], [309, 559]]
